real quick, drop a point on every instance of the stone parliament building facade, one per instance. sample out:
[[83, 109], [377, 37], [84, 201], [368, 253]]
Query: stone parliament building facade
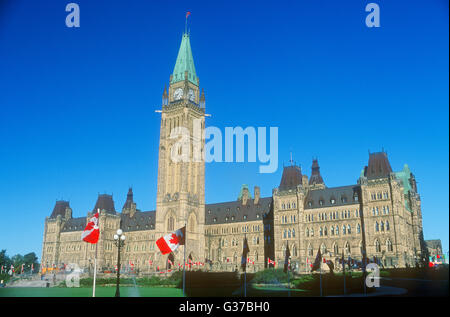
[[379, 216]]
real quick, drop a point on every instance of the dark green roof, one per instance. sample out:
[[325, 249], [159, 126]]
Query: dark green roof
[[185, 62]]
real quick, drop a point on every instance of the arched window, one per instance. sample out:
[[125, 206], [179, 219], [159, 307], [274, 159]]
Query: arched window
[[312, 232], [344, 229], [387, 225], [323, 249], [310, 250], [377, 246], [337, 230], [377, 227], [284, 234], [325, 231], [349, 229], [307, 232], [373, 211], [321, 232], [289, 233], [294, 251], [389, 245], [170, 224], [347, 248], [358, 228], [382, 226], [332, 230], [293, 233], [336, 249]]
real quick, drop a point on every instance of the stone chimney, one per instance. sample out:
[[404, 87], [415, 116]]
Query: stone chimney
[[68, 213], [244, 196], [132, 209], [257, 195]]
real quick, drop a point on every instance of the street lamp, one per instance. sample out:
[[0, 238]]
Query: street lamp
[[119, 241]]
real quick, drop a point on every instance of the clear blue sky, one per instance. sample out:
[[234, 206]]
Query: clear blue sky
[[77, 105]]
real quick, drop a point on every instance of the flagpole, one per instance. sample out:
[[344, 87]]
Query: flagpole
[[320, 277], [184, 261], [95, 269], [343, 268]]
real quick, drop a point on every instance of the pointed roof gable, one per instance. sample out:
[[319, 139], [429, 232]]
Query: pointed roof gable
[[316, 178], [105, 202], [379, 166], [129, 200], [60, 208], [292, 176], [185, 62]]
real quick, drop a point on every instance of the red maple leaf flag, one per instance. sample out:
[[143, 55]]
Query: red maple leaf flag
[[91, 232], [171, 241], [188, 14]]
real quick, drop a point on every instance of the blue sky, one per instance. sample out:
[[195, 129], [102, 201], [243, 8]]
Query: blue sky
[[77, 105]]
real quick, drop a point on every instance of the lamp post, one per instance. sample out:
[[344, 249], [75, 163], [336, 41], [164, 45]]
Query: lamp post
[[119, 240]]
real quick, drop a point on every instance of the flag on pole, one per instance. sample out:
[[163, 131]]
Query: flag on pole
[[21, 269], [91, 232], [188, 14], [269, 261], [286, 259], [245, 251], [171, 241], [317, 261]]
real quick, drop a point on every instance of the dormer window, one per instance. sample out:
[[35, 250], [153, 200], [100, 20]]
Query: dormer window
[[215, 220], [321, 202], [332, 201], [257, 216], [209, 211], [245, 217], [226, 218], [310, 203], [343, 199]]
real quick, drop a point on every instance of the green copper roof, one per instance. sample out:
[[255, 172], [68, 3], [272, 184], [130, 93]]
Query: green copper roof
[[185, 62], [244, 186], [404, 176]]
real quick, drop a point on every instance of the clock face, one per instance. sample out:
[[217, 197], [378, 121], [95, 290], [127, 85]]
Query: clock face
[[191, 95], [178, 94]]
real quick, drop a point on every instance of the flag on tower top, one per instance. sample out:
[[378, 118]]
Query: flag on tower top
[[91, 232], [171, 241], [188, 14]]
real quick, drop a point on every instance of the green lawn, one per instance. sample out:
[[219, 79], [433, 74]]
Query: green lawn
[[87, 292]]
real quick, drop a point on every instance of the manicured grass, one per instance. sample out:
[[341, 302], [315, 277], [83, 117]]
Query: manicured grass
[[87, 292]]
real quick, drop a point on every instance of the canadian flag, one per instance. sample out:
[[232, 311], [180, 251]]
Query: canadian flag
[[269, 261], [150, 262], [91, 232], [171, 241]]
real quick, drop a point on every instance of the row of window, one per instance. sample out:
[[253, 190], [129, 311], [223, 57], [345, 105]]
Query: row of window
[[376, 211], [333, 200], [379, 195], [382, 226], [289, 233], [245, 229], [344, 214], [347, 248], [288, 205], [334, 230], [285, 219]]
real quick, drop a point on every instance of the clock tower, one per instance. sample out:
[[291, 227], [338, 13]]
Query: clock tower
[[180, 197]]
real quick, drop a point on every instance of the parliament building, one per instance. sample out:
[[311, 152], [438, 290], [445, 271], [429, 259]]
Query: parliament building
[[378, 216]]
